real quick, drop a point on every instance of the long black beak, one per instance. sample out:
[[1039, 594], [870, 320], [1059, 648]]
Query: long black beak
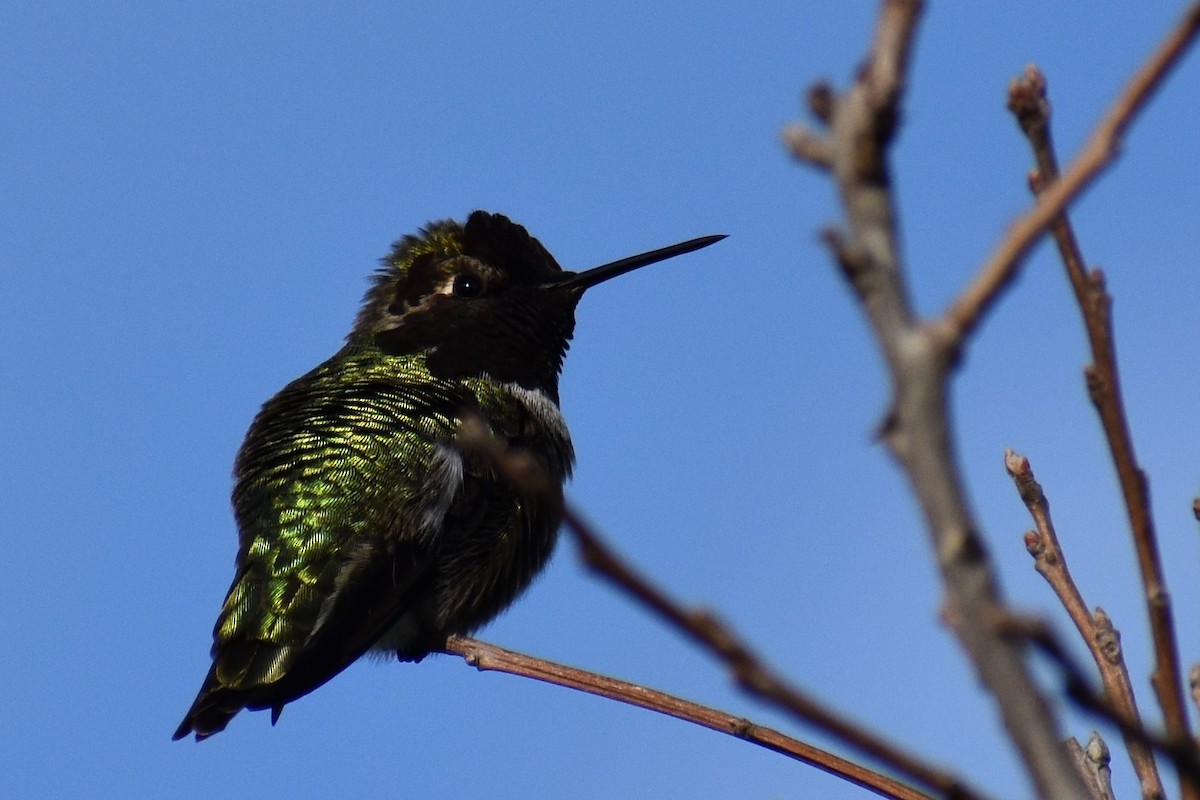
[[579, 281]]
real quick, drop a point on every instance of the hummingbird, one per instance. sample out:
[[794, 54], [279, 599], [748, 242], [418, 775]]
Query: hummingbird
[[362, 525]]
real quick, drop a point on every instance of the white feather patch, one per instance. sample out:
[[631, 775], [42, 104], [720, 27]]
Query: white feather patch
[[446, 473]]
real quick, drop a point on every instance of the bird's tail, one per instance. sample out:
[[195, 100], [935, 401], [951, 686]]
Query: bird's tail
[[214, 706]]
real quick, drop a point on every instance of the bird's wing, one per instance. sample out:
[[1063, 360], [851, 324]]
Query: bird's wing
[[335, 501]]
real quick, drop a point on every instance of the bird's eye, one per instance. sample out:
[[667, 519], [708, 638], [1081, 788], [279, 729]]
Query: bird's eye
[[468, 285]]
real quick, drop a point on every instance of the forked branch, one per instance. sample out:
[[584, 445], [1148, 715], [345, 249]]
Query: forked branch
[[1027, 100], [750, 672], [920, 360], [1096, 630], [521, 471], [921, 355]]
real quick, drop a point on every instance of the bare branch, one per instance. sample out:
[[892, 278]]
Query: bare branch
[[1092, 764], [528, 476], [1097, 632], [1194, 684], [920, 359], [807, 146], [484, 656], [750, 673], [1027, 99], [1099, 151], [1182, 752]]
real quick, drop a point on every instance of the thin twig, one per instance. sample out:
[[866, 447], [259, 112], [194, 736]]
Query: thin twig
[[528, 477], [1097, 631], [484, 656], [808, 146], [1092, 764], [920, 360], [1181, 751], [1027, 99], [749, 671], [1101, 148], [1194, 684]]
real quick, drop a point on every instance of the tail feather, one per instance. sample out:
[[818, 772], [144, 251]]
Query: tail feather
[[212, 710]]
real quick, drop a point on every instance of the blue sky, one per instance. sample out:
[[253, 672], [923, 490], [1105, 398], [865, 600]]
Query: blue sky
[[194, 194]]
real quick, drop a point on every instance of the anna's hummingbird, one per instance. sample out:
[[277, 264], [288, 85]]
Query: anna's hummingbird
[[361, 524]]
